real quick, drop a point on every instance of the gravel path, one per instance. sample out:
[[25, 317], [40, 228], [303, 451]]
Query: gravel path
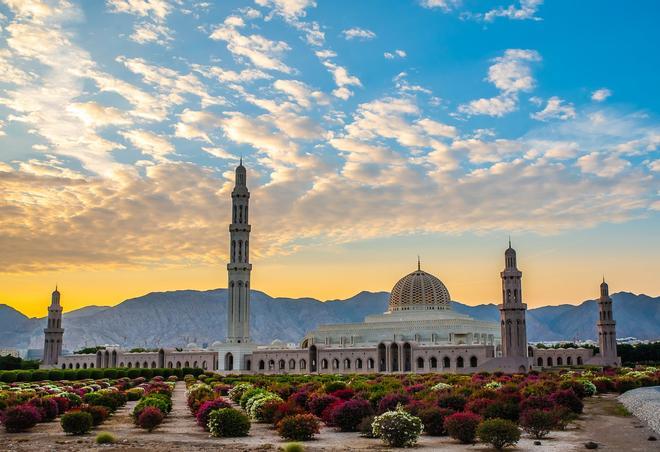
[[645, 404]]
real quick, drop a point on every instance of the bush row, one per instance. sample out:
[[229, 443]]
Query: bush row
[[11, 376]]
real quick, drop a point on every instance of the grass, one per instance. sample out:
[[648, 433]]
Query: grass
[[105, 438], [619, 410]]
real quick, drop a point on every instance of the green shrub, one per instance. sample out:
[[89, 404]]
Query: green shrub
[[333, 386], [105, 438], [236, 393], [228, 422], [299, 427], [110, 373], [55, 374], [538, 423], [40, 374], [397, 428], [500, 433], [99, 413], [150, 401], [76, 422], [293, 447]]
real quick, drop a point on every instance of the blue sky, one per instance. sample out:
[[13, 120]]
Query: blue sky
[[366, 126]]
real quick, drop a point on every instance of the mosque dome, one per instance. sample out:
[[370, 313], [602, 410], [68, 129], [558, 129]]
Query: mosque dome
[[419, 291], [192, 346], [216, 344]]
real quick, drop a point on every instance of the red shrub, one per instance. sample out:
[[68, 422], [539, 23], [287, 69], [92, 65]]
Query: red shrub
[[150, 418], [433, 418], [62, 404], [344, 394], [20, 418], [319, 403], [99, 413], [285, 409], [536, 403], [326, 416], [390, 402], [452, 401], [348, 416], [205, 409], [462, 426], [301, 427], [300, 398], [479, 405], [47, 408], [568, 399]]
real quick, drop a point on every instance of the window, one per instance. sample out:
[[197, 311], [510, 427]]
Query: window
[[292, 364], [262, 365], [459, 361], [324, 363], [358, 363], [473, 361], [281, 364], [445, 362], [420, 363]]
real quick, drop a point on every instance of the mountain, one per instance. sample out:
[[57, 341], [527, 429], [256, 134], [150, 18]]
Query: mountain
[[180, 317]]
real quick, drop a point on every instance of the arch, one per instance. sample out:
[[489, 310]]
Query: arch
[[539, 362], [84, 365], [169, 364], [382, 357], [292, 364], [358, 363], [113, 359], [446, 362], [370, 363], [347, 363], [91, 365], [579, 360], [195, 366], [569, 360], [324, 363], [262, 364], [313, 356], [522, 369], [145, 365], [560, 361], [459, 361], [335, 363], [394, 357], [229, 361], [420, 363], [530, 351], [407, 357], [178, 364], [99, 359], [433, 362], [77, 365], [281, 364], [161, 358], [63, 366], [153, 364], [121, 364], [473, 361], [106, 359], [302, 364], [187, 364], [549, 361], [271, 364], [137, 364], [130, 365]]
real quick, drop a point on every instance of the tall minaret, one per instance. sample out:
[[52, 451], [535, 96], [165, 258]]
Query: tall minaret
[[606, 328], [512, 309], [53, 331], [239, 267]]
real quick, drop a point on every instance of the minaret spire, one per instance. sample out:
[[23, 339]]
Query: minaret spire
[[419, 264]]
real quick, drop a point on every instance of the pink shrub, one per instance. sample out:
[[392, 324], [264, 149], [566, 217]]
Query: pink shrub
[[47, 408], [348, 415], [390, 402], [150, 418], [319, 403], [344, 394], [462, 426], [20, 418], [205, 409]]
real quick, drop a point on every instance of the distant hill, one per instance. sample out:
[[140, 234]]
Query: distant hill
[[184, 316]]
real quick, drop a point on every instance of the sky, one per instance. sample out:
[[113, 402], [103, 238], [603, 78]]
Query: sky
[[372, 134]]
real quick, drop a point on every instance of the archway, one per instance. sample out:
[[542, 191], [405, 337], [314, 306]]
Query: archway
[[560, 361], [434, 362], [358, 363], [569, 361], [407, 357], [302, 364], [370, 363], [459, 361], [549, 361], [161, 358], [313, 356], [292, 364], [394, 354], [229, 361], [347, 363], [579, 360], [324, 363], [420, 363], [114, 358], [473, 361], [539, 362], [335, 363], [262, 365], [446, 363], [382, 357], [281, 364], [153, 364]]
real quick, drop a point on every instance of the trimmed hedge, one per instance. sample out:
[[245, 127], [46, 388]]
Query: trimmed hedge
[[11, 376]]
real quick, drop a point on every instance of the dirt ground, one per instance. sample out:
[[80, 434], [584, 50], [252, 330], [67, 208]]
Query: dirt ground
[[601, 423]]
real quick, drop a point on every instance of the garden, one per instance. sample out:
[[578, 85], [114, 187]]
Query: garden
[[149, 406]]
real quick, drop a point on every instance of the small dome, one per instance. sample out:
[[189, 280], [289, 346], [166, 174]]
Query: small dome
[[216, 344], [192, 346], [419, 291], [277, 342]]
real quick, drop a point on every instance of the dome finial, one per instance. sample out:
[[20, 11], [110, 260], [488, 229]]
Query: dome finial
[[509, 241], [419, 264]]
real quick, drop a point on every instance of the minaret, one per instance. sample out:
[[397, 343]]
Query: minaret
[[239, 267], [606, 328], [53, 331], [512, 309]]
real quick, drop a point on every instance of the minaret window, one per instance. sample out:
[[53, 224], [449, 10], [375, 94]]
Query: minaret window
[[246, 214], [246, 251], [240, 214], [240, 251], [233, 250], [233, 218]]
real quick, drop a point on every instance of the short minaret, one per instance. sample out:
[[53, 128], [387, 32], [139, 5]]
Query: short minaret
[[239, 267], [606, 328], [53, 331], [512, 309]]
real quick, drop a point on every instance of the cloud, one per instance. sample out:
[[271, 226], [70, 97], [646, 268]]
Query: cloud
[[96, 115], [149, 143], [396, 54], [261, 52], [601, 94], [445, 5], [153, 13], [555, 109], [526, 10], [358, 33], [219, 153], [511, 74], [145, 32], [290, 9], [602, 165], [196, 125], [301, 93]]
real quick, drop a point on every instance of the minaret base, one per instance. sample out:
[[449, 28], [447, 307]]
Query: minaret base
[[232, 357]]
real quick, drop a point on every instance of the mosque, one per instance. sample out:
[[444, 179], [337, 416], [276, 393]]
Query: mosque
[[419, 332]]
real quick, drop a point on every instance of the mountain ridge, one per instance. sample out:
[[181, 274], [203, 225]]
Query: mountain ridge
[[175, 318]]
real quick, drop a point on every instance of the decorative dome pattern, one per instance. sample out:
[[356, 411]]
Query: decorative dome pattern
[[419, 291]]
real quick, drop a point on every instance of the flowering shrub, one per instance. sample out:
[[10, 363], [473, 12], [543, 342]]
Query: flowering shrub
[[462, 426], [150, 418], [397, 428], [391, 401], [453, 401], [150, 401], [348, 415], [283, 410], [238, 390], [300, 427], [76, 422], [256, 406], [441, 387], [198, 394], [333, 386], [538, 423], [228, 422], [98, 413], [502, 410], [62, 403], [433, 419], [20, 418], [319, 403], [47, 408], [134, 393], [205, 409], [498, 432], [568, 399]]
